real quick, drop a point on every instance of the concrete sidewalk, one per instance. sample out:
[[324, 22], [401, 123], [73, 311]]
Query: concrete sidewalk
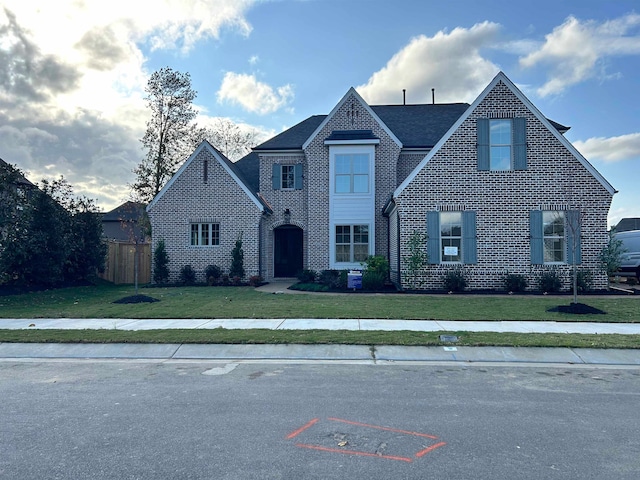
[[329, 353], [322, 324]]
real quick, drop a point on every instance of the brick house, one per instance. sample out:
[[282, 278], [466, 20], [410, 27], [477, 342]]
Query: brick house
[[494, 187]]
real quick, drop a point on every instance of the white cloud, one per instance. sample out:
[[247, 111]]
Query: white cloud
[[73, 77], [449, 62], [612, 149], [253, 95], [575, 49]]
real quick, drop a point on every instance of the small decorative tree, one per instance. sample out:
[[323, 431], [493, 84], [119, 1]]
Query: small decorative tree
[[160, 263], [417, 258], [610, 256], [237, 259]]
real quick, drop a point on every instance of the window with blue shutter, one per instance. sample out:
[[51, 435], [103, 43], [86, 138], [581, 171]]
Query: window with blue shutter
[[535, 236], [573, 231], [502, 144], [519, 143], [469, 244], [298, 176], [276, 176], [433, 237], [482, 125]]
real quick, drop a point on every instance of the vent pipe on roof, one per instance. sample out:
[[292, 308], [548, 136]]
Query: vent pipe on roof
[[404, 96], [433, 96]]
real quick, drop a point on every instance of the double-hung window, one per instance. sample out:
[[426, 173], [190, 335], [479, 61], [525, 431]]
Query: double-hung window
[[352, 243], [502, 144], [352, 173], [205, 234], [555, 236], [288, 177], [451, 236]]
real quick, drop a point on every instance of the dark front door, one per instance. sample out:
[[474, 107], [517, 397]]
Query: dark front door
[[287, 261]]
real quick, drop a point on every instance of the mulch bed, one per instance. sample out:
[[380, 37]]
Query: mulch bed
[[137, 299], [577, 309]]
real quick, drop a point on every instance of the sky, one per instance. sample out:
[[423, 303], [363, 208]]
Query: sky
[[74, 72]]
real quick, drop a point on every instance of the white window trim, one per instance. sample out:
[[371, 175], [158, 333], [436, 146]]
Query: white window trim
[[510, 145], [293, 183], [563, 237], [211, 224], [348, 265]]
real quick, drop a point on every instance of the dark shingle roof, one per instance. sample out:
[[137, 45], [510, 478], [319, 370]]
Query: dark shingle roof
[[416, 126], [294, 137], [128, 211], [249, 169], [340, 135], [419, 126]]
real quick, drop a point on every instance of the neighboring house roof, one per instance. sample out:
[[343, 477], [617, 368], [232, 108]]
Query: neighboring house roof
[[21, 180], [231, 169], [627, 224], [127, 212], [501, 77]]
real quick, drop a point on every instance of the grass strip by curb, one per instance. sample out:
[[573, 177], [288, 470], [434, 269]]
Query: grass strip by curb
[[311, 337]]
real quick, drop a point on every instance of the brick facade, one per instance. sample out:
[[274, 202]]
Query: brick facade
[[219, 200], [554, 180]]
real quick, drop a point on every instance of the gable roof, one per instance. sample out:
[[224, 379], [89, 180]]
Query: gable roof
[[293, 138], [552, 127], [352, 92], [227, 164], [418, 126]]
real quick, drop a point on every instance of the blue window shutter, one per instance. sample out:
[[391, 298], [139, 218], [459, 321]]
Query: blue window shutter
[[276, 176], [469, 244], [535, 235], [433, 237], [573, 220], [298, 176], [484, 161], [519, 143]]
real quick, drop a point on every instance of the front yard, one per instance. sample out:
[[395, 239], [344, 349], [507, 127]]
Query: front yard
[[246, 302]]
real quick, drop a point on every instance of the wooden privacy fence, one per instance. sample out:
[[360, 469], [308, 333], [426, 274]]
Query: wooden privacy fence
[[120, 264]]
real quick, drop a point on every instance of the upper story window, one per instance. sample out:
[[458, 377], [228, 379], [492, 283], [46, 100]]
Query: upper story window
[[352, 173], [287, 177], [502, 144], [205, 234]]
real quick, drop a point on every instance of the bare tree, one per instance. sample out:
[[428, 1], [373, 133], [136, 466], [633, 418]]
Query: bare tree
[[230, 139], [171, 133]]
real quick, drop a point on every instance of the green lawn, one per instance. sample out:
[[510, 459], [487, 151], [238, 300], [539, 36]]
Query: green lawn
[[246, 302]]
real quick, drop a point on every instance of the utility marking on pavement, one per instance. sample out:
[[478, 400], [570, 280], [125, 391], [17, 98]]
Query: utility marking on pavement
[[353, 452], [302, 429], [382, 428], [228, 368], [404, 442]]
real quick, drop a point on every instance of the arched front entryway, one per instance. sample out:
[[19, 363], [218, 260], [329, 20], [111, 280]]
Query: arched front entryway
[[287, 251]]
